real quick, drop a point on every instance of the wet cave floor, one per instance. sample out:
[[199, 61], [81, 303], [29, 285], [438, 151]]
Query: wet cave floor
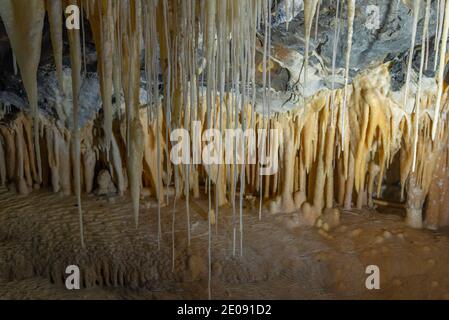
[[39, 238]]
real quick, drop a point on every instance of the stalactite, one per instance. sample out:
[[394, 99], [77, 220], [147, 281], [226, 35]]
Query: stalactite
[[117, 164], [28, 161], [28, 137], [63, 146], [439, 30], [329, 164], [265, 102], [373, 172], [131, 79], [317, 21], [167, 60], [437, 214], [442, 65], [53, 157], [117, 57], [88, 158], [22, 187], [349, 184], [102, 24], [54, 10], [210, 38], [334, 55], [418, 94], [75, 59], [416, 9], [14, 64], [3, 177], [285, 202], [135, 165], [10, 149], [351, 14], [24, 20], [310, 8]]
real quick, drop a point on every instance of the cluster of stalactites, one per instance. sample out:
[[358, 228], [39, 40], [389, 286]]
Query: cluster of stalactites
[[170, 35], [312, 159]]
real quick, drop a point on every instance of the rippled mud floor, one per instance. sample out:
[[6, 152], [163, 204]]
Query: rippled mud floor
[[39, 238]]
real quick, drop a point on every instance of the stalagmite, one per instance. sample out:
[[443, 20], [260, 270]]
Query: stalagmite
[[285, 203], [415, 201], [89, 160], [437, 213]]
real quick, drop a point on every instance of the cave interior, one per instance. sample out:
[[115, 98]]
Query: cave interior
[[195, 149]]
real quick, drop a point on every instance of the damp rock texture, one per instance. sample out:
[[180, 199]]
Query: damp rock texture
[[122, 262], [382, 32]]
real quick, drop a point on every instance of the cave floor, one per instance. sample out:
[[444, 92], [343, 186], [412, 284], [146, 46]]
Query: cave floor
[[39, 238]]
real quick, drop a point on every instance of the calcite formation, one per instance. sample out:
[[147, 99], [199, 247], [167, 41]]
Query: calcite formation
[[200, 60]]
